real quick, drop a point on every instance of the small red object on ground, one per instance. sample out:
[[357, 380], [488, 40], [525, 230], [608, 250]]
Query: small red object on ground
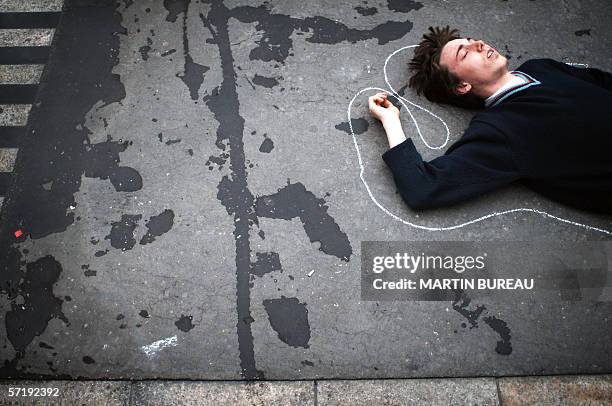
[[18, 233]]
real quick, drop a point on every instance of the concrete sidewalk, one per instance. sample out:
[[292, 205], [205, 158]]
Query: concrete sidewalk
[[541, 390]]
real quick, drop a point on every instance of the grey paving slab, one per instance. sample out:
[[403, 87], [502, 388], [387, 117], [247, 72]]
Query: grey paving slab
[[223, 393], [480, 391], [20, 74], [7, 6], [68, 393], [26, 37], [556, 390], [189, 194], [14, 114]]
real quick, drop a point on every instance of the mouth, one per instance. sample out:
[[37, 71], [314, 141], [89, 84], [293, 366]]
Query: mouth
[[490, 53]]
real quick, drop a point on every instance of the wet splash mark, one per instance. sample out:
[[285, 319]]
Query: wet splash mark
[[366, 11], [36, 304], [504, 347], [266, 262], [122, 232], [580, 33], [289, 318], [145, 49], [49, 168], [267, 145], [461, 305], [184, 323], [293, 201], [274, 45], [157, 226], [360, 125], [217, 160], [403, 6], [265, 81], [193, 73]]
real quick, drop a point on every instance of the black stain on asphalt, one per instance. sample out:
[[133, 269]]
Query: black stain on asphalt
[[87, 271], [276, 43], [30, 316], [264, 81], [580, 33], [461, 305], [267, 145], [184, 323], [193, 73], [42, 344], [307, 363], [101, 161], [289, 318], [122, 232], [366, 11], [233, 192], [88, 360], [144, 313], [266, 262], [294, 201], [503, 347], [403, 6], [145, 49], [100, 253], [157, 226], [360, 125], [170, 142], [168, 52]]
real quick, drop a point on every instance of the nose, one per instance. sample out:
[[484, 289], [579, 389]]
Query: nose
[[479, 45]]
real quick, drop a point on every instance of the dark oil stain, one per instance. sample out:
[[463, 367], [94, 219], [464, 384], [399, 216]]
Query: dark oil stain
[[233, 192], [265, 81], [158, 225], [145, 49], [120, 316], [266, 146], [217, 160], [366, 11], [122, 232], [30, 318], [144, 313], [45, 345], [190, 152], [88, 272], [169, 52], [293, 201], [88, 360], [289, 318], [403, 6], [160, 136], [193, 73], [170, 142], [580, 33], [307, 363], [504, 347], [100, 253], [102, 162], [360, 125], [266, 262], [461, 304], [184, 323], [276, 41]]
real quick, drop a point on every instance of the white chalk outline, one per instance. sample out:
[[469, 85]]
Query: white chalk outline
[[152, 349], [419, 226]]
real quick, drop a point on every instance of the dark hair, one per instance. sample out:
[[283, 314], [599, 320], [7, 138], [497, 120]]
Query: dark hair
[[432, 79]]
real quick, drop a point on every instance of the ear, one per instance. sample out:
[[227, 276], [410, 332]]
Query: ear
[[463, 88]]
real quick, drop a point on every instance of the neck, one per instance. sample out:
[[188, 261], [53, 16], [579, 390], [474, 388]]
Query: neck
[[490, 88]]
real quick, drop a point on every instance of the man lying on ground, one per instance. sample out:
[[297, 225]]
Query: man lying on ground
[[546, 124]]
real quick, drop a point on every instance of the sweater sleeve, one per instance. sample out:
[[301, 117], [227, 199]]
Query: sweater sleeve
[[595, 76], [481, 161]]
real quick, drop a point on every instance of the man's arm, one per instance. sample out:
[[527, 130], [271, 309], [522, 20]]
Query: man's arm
[[480, 162], [477, 164]]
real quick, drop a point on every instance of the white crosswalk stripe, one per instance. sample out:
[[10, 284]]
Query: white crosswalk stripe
[[14, 116]]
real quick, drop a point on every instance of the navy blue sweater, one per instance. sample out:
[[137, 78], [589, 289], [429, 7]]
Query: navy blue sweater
[[554, 135]]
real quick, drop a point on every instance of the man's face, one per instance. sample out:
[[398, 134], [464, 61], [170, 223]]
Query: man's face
[[474, 62]]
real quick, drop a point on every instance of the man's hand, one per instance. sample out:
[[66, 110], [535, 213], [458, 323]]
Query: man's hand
[[382, 109]]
